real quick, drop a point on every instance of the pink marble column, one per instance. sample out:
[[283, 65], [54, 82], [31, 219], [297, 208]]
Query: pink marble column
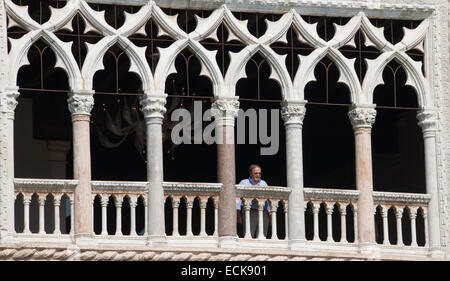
[[225, 110], [362, 117], [80, 105]]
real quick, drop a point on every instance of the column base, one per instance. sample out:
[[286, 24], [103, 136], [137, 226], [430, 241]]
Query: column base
[[228, 242], [156, 240], [84, 239], [370, 250], [437, 253], [297, 244]]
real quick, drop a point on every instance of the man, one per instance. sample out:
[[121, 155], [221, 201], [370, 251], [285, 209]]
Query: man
[[254, 179]]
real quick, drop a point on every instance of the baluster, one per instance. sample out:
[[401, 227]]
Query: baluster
[[41, 214], [273, 216], [247, 207], [316, 208], [398, 215], [57, 204], [261, 234], [72, 216], [286, 220], [343, 210], [384, 213], [26, 203], [146, 216], [133, 204], [412, 216], [175, 206], [118, 203], [104, 203], [203, 203], [329, 210], [216, 216], [189, 206], [355, 222], [425, 221]]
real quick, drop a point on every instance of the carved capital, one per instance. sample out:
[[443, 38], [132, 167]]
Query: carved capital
[[362, 116], [153, 106], [293, 112], [175, 203], [8, 102], [104, 201], [81, 103], [247, 205], [428, 120], [261, 206], [227, 108]]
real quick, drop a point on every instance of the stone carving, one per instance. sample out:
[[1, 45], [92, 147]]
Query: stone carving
[[362, 117], [427, 120], [293, 112], [8, 102], [225, 108], [153, 107], [80, 104]]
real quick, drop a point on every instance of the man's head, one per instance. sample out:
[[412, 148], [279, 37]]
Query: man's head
[[255, 173]]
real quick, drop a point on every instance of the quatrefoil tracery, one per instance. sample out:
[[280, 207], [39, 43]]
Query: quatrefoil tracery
[[153, 83]]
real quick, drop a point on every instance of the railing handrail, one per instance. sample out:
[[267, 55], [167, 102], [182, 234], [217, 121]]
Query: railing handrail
[[263, 192], [399, 198], [329, 194], [204, 188], [45, 185]]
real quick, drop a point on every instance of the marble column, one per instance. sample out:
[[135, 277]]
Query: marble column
[[247, 207], [133, 205], [429, 123], [80, 105], [362, 117], [293, 114], [57, 204], [225, 110], [8, 103], [412, 217], [104, 203], [398, 216], [175, 206], [153, 109]]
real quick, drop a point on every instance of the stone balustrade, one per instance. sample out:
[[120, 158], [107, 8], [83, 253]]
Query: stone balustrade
[[191, 197], [260, 199], [191, 211], [44, 206], [397, 215], [321, 201]]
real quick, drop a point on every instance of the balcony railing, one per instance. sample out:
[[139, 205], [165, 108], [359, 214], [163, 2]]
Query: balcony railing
[[45, 207]]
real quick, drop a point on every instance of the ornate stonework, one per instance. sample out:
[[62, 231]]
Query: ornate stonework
[[428, 120], [80, 104], [225, 108], [153, 106], [293, 113], [362, 117]]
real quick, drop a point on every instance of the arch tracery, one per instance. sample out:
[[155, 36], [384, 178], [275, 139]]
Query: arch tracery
[[223, 85]]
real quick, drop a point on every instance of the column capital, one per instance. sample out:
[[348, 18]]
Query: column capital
[[428, 120], [225, 108], [81, 102], [8, 101], [175, 203], [153, 106], [293, 112], [247, 205], [362, 116]]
